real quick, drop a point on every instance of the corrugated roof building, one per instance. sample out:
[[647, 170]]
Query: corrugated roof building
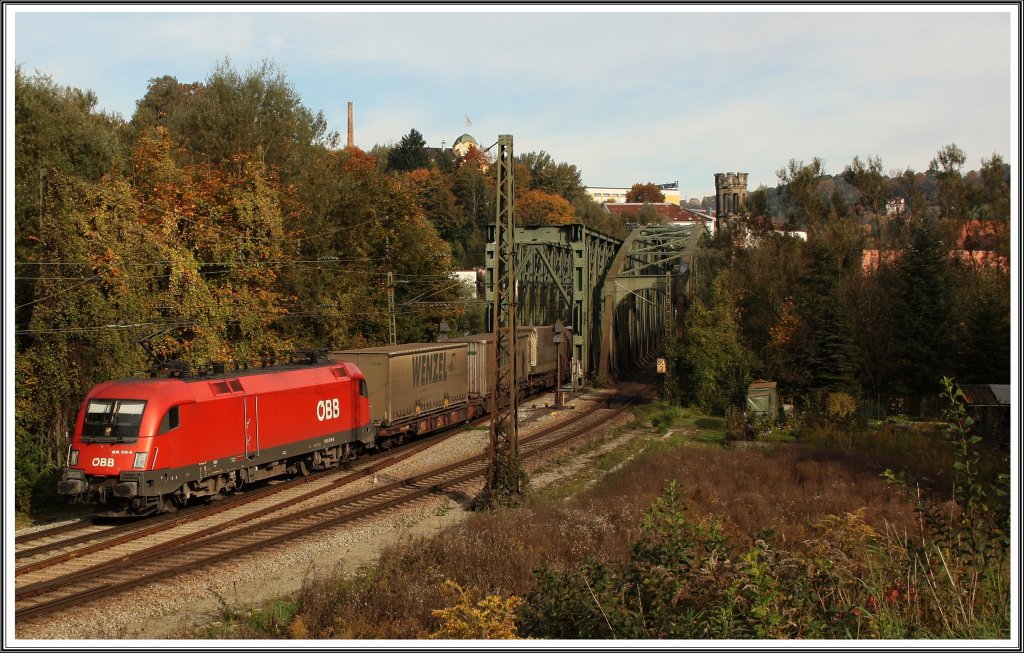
[[989, 405]]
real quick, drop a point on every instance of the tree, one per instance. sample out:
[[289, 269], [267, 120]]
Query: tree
[[255, 112], [757, 202], [57, 132], [991, 199], [909, 187], [225, 236], [764, 279], [924, 309], [434, 196], [833, 356], [365, 225], [983, 326], [952, 188], [593, 215], [557, 178], [805, 205], [873, 189], [649, 215], [871, 325], [163, 103], [90, 235], [410, 153], [474, 192], [712, 368], [537, 207], [789, 348], [648, 192]]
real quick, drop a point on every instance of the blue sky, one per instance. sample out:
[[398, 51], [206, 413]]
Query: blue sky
[[626, 94]]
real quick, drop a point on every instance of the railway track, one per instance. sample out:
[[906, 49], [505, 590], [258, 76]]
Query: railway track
[[276, 525], [53, 531], [97, 538]]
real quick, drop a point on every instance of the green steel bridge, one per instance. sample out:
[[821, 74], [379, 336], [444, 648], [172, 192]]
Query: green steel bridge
[[620, 298]]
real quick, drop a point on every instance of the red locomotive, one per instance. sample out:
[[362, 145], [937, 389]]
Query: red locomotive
[[143, 446]]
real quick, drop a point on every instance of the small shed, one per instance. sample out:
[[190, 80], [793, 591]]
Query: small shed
[[763, 398], [989, 405]]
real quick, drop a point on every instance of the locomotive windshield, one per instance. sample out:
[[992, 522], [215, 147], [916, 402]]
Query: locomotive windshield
[[112, 420]]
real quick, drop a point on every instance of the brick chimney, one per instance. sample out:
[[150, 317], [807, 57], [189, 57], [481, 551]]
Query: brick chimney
[[351, 127]]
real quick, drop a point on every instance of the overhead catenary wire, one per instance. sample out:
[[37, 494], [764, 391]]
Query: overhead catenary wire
[[59, 292], [232, 236], [165, 262], [409, 308]]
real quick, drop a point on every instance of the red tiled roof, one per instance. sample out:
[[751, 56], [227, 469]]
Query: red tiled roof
[[673, 212]]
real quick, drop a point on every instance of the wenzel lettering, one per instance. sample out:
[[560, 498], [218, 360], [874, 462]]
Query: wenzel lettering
[[429, 368]]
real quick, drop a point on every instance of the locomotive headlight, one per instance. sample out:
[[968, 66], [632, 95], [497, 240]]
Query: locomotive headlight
[[73, 457], [140, 460]]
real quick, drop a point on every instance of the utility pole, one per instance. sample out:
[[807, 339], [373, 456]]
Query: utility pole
[[558, 338], [505, 475], [392, 330], [669, 305]]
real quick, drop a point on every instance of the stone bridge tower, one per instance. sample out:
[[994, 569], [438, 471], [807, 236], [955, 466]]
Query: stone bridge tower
[[730, 194]]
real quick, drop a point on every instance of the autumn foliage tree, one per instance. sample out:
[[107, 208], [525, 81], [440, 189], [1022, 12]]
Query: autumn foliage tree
[[648, 192], [87, 308], [225, 231], [57, 133], [536, 207]]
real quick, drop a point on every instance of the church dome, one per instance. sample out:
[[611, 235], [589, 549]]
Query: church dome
[[463, 143]]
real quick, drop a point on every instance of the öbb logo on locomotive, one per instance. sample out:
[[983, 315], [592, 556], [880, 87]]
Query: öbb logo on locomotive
[[328, 409]]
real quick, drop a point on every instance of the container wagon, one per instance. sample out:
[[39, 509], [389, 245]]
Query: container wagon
[[415, 388]]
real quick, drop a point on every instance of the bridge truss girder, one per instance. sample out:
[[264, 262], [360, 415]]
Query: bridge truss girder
[[559, 272], [642, 292]]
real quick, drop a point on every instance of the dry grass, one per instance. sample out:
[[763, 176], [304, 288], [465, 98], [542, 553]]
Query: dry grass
[[787, 491]]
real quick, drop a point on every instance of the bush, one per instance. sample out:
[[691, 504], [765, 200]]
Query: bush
[[840, 407], [475, 617], [735, 425], [660, 592], [687, 579]]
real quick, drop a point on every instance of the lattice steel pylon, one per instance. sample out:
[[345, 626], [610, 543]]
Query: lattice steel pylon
[[505, 477]]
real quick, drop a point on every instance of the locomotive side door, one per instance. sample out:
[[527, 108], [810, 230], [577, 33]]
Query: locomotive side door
[[251, 428]]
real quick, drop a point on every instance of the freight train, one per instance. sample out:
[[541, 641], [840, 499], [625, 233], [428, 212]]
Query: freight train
[[145, 446]]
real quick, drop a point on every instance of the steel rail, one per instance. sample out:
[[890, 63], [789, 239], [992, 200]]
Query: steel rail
[[53, 530], [167, 522]]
